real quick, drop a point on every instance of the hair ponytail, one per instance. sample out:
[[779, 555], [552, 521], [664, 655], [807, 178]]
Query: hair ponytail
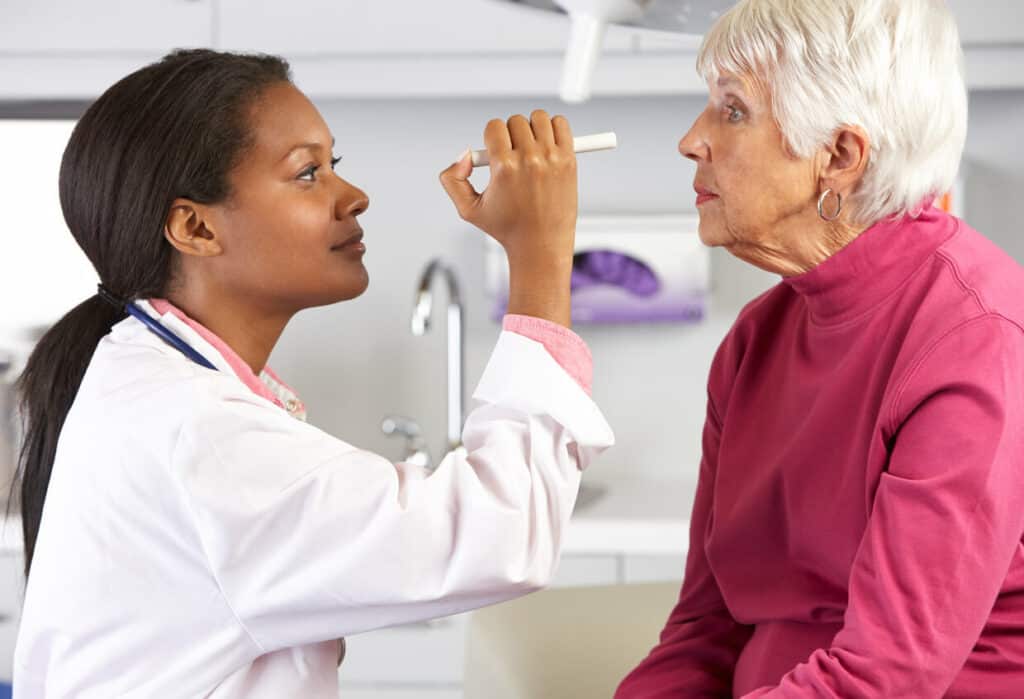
[[47, 388], [175, 128]]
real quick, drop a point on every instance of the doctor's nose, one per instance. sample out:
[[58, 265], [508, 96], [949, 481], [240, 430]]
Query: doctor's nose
[[352, 201]]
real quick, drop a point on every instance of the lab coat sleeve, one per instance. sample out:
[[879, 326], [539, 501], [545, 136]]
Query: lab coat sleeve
[[701, 642], [948, 516], [310, 538], [565, 347]]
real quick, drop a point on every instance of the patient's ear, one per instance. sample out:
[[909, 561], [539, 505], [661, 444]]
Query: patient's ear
[[189, 229], [848, 155]]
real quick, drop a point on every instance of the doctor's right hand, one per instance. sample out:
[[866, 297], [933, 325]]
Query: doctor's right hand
[[529, 207]]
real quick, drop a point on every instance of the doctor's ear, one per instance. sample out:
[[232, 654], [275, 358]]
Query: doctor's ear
[[188, 230]]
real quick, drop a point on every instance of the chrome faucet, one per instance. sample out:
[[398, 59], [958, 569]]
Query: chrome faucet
[[416, 451], [456, 349]]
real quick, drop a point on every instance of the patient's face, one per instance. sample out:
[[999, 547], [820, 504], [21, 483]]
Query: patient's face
[[763, 195]]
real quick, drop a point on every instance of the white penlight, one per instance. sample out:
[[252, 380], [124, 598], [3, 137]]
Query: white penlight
[[590, 19]]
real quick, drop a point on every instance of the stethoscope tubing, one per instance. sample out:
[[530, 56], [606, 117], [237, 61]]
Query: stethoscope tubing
[[166, 335]]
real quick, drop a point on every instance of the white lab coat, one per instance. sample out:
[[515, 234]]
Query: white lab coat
[[199, 541]]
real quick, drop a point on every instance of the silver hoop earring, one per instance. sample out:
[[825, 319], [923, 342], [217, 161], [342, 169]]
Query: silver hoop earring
[[821, 205]]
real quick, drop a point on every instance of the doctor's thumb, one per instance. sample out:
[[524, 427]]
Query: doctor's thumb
[[455, 180]]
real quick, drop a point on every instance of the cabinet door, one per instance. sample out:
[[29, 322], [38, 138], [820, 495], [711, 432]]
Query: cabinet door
[[452, 27], [652, 569], [412, 692], [12, 591], [428, 653], [989, 22], [582, 571], [104, 26]]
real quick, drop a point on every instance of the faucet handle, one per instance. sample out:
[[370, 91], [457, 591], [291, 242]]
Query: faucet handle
[[415, 448], [403, 426]]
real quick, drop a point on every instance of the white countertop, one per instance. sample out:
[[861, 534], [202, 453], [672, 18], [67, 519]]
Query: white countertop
[[630, 517], [633, 517]]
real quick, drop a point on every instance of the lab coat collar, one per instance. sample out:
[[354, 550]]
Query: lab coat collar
[[267, 384]]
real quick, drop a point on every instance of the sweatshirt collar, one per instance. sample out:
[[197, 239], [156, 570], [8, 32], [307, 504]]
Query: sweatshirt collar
[[873, 266]]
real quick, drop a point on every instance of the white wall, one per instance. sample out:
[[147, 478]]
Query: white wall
[[355, 362]]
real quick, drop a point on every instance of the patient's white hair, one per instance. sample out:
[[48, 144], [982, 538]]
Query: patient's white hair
[[892, 67]]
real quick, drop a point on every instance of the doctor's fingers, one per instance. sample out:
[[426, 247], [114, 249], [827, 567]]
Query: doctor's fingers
[[543, 131], [563, 135], [523, 141], [455, 180], [497, 139]]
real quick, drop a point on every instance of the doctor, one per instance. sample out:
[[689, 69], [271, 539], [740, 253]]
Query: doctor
[[186, 532]]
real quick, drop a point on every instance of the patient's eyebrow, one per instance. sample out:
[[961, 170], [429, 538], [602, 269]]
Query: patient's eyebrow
[[733, 83]]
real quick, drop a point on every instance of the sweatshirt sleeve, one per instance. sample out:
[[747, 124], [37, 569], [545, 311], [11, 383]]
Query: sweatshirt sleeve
[[701, 642], [947, 517]]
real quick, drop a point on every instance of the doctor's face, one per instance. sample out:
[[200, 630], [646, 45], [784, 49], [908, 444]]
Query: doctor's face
[[289, 230]]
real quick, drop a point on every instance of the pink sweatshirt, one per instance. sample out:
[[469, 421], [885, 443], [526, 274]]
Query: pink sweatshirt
[[857, 529]]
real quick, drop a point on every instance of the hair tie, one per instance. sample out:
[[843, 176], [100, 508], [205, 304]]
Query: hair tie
[[108, 296]]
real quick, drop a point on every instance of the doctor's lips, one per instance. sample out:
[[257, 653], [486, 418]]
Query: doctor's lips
[[354, 243], [703, 194]]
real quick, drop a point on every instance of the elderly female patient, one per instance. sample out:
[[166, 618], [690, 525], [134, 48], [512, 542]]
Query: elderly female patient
[[858, 520]]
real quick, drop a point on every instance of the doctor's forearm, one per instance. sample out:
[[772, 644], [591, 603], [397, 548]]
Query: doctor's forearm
[[540, 287]]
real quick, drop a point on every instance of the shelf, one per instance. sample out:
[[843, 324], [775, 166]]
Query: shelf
[[434, 76]]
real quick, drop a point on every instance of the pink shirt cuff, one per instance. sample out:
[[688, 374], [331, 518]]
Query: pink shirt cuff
[[565, 347]]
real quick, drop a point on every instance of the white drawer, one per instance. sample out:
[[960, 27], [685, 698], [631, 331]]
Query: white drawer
[[431, 653], [427, 653], [426, 692], [582, 571], [8, 637], [12, 584], [644, 569], [12, 591]]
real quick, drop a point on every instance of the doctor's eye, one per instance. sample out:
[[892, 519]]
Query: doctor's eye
[[309, 174]]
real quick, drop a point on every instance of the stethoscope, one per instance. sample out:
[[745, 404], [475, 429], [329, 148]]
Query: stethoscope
[[154, 326]]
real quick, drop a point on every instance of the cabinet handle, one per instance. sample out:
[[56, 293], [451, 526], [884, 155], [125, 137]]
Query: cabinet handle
[[429, 624]]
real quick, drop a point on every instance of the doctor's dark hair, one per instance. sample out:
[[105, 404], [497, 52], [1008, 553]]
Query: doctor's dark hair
[[175, 128]]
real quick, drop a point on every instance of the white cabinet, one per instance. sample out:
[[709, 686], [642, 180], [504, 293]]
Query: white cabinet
[[581, 571], [650, 569], [441, 48], [350, 27], [430, 654], [12, 592], [396, 693], [989, 22], [69, 49], [56, 27], [426, 654], [426, 660]]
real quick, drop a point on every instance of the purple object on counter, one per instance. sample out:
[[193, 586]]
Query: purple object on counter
[[609, 267], [611, 286]]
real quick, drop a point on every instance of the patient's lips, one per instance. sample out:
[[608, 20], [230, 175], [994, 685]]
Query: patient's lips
[[704, 194]]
